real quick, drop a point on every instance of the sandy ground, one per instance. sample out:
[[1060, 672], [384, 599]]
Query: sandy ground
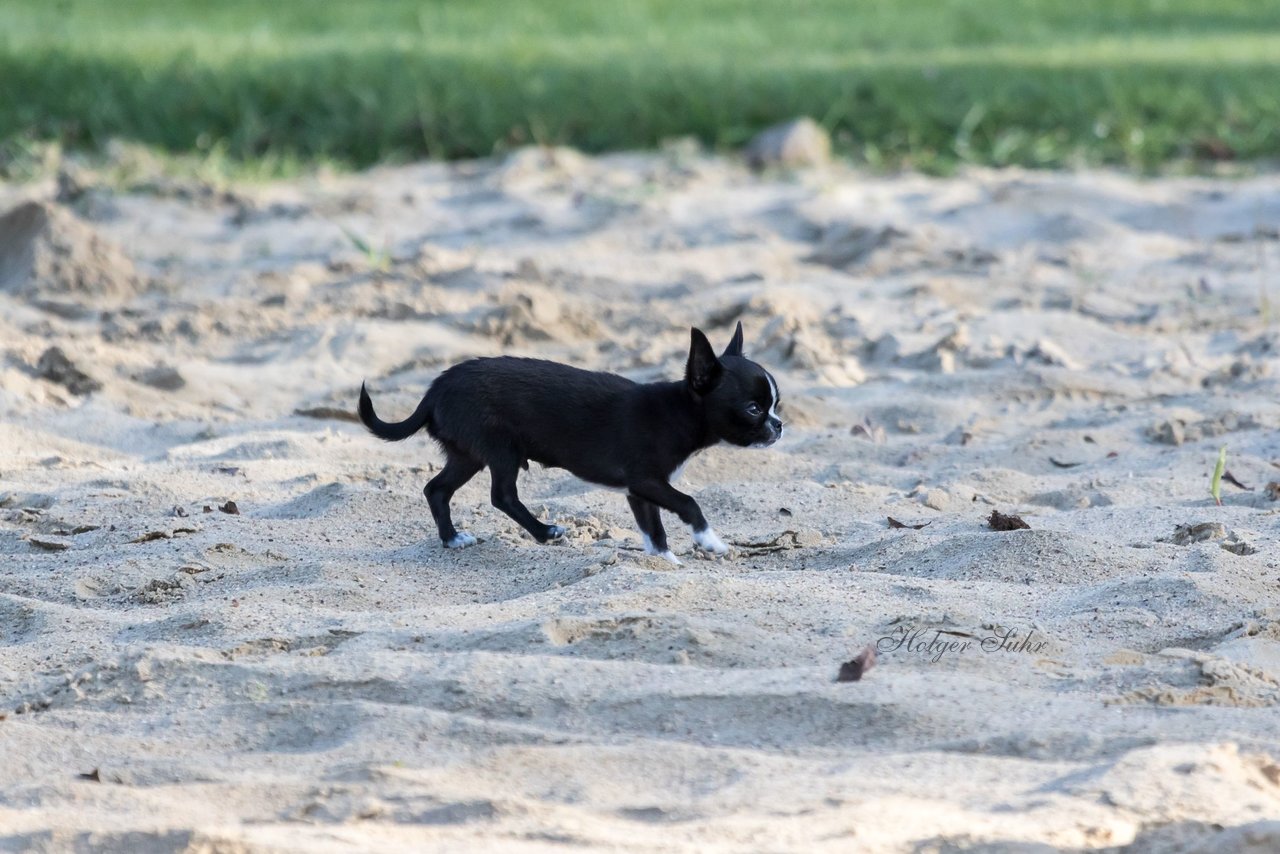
[[315, 673]]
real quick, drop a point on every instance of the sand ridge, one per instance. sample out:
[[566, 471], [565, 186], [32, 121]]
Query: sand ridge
[[313, 672]]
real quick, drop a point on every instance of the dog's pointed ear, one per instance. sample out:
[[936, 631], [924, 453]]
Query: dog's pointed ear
[[735, 343], [703, 368]]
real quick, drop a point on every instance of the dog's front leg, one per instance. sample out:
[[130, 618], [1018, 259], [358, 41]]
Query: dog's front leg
[[668, 497], [649, 518]]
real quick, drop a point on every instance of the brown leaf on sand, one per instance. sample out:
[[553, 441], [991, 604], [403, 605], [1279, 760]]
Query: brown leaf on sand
[[151, 536], [49, 545], [329, 413], [1231, 479], [869, 431], [230, 507], [92, 776], [853, 671], [1184, 535], [998, 521], [894, 523]]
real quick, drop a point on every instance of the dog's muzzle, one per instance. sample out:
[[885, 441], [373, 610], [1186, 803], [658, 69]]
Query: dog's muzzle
[[775, 433]]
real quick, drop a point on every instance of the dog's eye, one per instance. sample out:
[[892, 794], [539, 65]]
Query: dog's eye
[[754, 410]]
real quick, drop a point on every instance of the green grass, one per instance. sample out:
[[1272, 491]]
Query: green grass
[[928, 83]]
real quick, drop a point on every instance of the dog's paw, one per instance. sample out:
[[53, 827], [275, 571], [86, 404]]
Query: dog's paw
[[555, 532], [460, 541], [664, 552], [707, 540]]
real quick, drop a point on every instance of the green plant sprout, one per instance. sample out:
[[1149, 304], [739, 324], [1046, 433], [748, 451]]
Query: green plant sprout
[[1215, 485], [377, 259]]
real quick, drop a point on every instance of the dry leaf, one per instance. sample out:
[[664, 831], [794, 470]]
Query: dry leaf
[[1001, 522], [151, 536], [853, 671], [48, 545]]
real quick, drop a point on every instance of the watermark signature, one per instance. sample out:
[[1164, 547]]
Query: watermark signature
[[936, 644]]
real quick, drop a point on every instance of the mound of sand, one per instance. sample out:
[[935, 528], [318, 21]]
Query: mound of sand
[[46, 252], [533, 313]]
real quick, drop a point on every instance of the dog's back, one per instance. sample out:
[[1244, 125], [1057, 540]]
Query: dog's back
[[543, 411]]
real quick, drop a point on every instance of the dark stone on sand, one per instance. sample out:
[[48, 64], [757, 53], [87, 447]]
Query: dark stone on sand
[[793, 144], [163, 377], [55, 367]]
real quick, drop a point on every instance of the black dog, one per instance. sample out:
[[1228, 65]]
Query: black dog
[[503, 412]]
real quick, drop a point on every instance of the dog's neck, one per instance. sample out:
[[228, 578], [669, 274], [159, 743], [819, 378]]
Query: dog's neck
[[692, 433]]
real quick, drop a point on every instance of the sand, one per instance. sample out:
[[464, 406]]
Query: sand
[[313, 672]]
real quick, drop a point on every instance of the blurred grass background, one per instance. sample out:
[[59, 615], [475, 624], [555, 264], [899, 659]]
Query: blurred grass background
[[280, 86]]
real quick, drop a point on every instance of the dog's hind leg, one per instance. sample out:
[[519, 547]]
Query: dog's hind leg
[[507, 499], [649, 518], [458, 469]]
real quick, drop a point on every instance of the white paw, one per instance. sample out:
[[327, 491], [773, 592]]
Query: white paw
[[460, 541], [665, 554], [707, 540]]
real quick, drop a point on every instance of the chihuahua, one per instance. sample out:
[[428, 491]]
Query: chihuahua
[[504, 411]]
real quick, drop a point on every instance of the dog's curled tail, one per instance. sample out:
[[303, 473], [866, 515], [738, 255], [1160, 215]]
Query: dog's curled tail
[[392, 432]]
